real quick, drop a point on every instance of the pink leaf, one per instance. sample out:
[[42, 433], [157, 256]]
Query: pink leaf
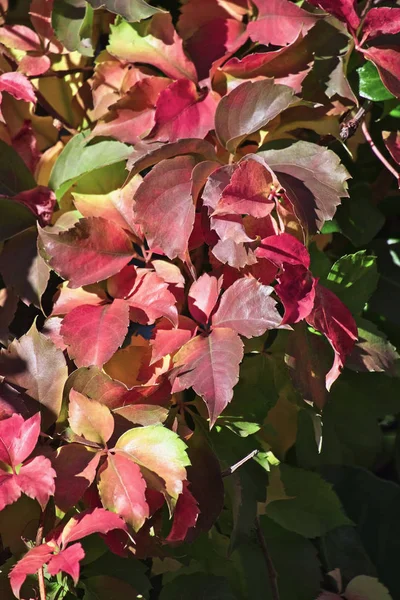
[[248, 108], [75, 466], [29, 564], [67, 561], [18, 438], [98, 520], [10, 491], [387, 61], [36, 479], [92, 250], [332, 318], [151, 296], [20, 37], [18, 86], [182, 112], [40, 200], [26, 144], [296, 289], [203, 296], [392, 143], [283, 249], [279, 22], [66, 299], [34, 65], [210, 365], [167, 190], [122, 489], [185, 515], [344, 10], [89, 418], [94, 333], [168, 340], [247, 308], [248, 191], [381, 21]]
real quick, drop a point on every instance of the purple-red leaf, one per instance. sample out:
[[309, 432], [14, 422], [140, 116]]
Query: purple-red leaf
[[163, 198], [279, 22], [296, 289], [75, 465], [247, 308], [381, 21], [168, 339], [89, 418], [122, 489], [249, 191], [210, 365], [182, 112], [387, 61], [185, 515], [332, 318], [282, 250], [92, 250], [40, 200], [392, 143], [248, 108], [344, 10], [94, 333]]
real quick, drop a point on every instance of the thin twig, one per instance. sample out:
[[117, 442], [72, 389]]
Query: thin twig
[[366, 8], [272, 574], [349, 127], [237, 465], [40, 573], [378, 153]]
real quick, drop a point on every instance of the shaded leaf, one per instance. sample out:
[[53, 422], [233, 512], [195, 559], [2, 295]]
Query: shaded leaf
[[185, 515], [279, 22], [130, 10], [203, 296]]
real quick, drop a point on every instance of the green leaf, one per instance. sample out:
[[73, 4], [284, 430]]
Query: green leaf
[[372, 503], [14, 174], [78, 158], [72, 21], [371, 86], [363, 587], [253, 396], [358, 219], [104, 587], [373, 351], [354, 278], [311, 507], [131, 10], [14, 218], [129, 569], [198, 586]]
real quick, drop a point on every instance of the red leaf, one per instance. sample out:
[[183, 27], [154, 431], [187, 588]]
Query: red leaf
[[387, 61], [18, 86], [248, 108], [166, 190], [92, 250], [147, 154], [182, 112], [26, 144], [98, 520], [34, 65], [282, 250], [185, 515], [332, 318], [89, 418], [381, 21], [296, 289], [40, 200], [66, 299], [28, 565], [248, 191], [203, 296], [94, 333], [75, 466], [392, 143], [20, 37], [247, 308], [168, 339], [10, 491], [279, 22], [210, 365], [344, 10], [122, 489], [67, 561], [36, 479], [18, 438]]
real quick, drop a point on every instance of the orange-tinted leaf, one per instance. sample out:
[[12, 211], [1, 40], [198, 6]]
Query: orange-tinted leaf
[[89, 418]]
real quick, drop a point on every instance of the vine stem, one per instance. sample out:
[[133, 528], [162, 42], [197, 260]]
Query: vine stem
[[378, 153], [237, 465], [272, 575], [40, 573]]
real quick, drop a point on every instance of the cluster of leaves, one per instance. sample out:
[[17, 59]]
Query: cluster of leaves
[[199, 220]]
